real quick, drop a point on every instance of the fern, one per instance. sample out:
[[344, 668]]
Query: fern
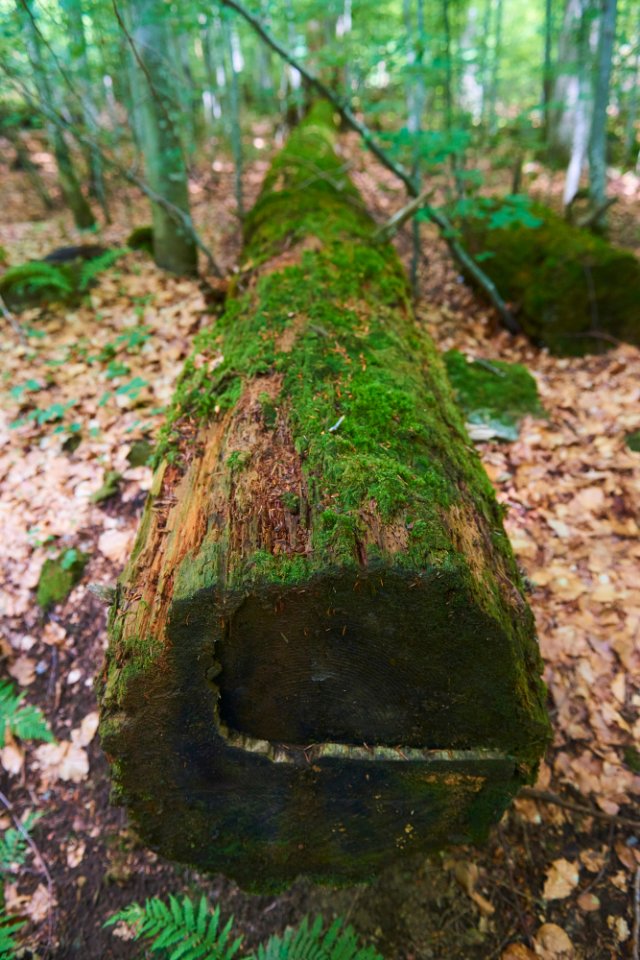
[[13, 844], [310, 943], [9, 927], [188, 930], [92, 268], [23, 720], [36, 276]]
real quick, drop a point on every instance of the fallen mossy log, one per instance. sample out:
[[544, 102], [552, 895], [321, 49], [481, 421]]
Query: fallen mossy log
[[320, 654], [569, 289]]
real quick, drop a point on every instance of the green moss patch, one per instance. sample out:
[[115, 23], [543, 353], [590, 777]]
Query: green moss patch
[[141, 239], [571, 290], [59, 576], [633, 441], [110, 487], [493, 393], [140, 453]]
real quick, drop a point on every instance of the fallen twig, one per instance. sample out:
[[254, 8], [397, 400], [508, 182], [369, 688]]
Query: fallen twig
[[636, 917], [529, 793], [393, 224], [13, 323], [43, 865]]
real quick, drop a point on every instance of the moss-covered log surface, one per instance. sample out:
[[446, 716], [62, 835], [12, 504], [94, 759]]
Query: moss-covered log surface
[[570, 290], [320, 654]]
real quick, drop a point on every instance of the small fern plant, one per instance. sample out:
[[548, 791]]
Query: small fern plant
[[9, 927], [184, 930], [13, 854], [92, 268], [36, 277], [21, 719]]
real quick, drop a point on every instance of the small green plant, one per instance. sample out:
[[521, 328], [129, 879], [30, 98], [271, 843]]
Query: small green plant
[[182, 929], [41, 279], [21, 719], [9, 927], [14, 844], [34, 279], [185, 930], [91, 268], [59, 575]]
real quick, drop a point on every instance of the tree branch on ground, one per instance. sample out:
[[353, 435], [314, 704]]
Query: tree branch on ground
[[446, 228], [542, 796]]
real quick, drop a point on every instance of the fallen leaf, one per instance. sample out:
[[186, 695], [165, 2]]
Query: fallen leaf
[[75, 853], [562, 878], [115, 545], [620, 928], [588, 902], [552, 943], [63, 761], [23, 670], [517, 951], [11, 755], [84, 734], [467, 874], [39, 904], [593, 860]]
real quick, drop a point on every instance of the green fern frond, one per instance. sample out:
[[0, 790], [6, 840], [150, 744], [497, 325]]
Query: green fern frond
[[23, 720], [189, 931], [13, 844], [311, 943], [92, 268], [9, 927], [36, 276]]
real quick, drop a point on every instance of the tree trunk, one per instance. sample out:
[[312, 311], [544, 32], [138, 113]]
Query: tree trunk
[[69, 183], [320, 656], [598, 139], [547, 69], [572, 99], [235, 63], [155, 116]]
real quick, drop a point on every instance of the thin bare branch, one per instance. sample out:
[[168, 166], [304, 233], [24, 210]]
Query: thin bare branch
[[28, 839], [393, 224], [13, 323], [439, 218], [529, 793]]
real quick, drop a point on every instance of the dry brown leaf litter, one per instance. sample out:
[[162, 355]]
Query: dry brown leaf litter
[[570, 484]]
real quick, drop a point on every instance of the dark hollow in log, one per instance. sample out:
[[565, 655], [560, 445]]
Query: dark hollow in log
[[320, 654]]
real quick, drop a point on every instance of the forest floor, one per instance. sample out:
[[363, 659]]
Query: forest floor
[[554, 880]]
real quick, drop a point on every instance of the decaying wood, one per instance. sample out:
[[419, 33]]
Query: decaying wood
[[320, 654]]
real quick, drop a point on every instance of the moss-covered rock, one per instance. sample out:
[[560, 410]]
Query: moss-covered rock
[[493, 393], [59, 575], [571, 291]]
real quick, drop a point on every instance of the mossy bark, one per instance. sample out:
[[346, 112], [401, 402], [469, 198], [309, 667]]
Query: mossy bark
[[570, 290], [320, 656]]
